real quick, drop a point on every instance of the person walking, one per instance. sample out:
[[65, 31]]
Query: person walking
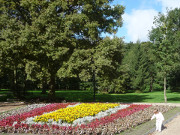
[[159, 119]]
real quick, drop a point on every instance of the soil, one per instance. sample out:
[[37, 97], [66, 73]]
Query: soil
[[6, 106]]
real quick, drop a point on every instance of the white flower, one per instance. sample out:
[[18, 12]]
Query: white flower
[[14, 123]]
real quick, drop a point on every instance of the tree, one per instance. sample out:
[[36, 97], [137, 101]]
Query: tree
[[139, 62], [175, 79], [108, 60], [12, 53], [100, 64], [13, 21], [146, 65], [50, 33], [165, 39], [36, 73]]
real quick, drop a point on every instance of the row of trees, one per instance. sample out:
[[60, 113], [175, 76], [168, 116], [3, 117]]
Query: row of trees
[[45, 40], [47, 44], [159, 59], [156, 63]]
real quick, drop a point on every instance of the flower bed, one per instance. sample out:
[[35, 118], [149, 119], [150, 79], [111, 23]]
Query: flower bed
[[21, 110], [8, 121], [89, 118], [70, 114]]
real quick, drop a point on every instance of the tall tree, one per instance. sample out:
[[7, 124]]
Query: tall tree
[[165, 38], [131, 62], [13, 18], [146, 66], [139, 62], [108, 60], [12, 52]]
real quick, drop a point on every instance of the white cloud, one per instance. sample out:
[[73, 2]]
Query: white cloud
[[170, 4], [138, 23]]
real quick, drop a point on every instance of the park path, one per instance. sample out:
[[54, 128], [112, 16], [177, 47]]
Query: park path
[[6, 106], [172, 128], [170, 104]]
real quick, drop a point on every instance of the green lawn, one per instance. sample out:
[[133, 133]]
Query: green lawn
[[86, 96]]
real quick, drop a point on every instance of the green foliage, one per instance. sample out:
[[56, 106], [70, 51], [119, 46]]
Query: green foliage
[[165, 44], [103, 59], [87, 86], [139, 62], [71, 83], [167, 48], [107, 60], [158, 86], [174, 80], [46, 39]]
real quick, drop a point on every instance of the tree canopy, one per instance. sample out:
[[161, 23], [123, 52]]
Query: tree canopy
[[165, 37], [42, 36], [47, 44]]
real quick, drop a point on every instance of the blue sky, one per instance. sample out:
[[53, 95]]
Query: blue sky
[[139, 15]]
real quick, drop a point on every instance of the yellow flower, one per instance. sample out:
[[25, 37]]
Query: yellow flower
[[72, 113]]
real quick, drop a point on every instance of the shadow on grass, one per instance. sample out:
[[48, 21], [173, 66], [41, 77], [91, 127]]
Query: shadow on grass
[[88, 97], [84, 96], [60, 96], [121, 98], [75, 96], [174, 99]]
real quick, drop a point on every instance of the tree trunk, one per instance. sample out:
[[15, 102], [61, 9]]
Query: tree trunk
[[14, 83], [94, 86], [11, 77], [24, 88], [24, 85], [44, 87], [151, 83], [165, 98], [52, 87]]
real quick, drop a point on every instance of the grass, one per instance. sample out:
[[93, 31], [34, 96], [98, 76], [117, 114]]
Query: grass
[[87, 96]]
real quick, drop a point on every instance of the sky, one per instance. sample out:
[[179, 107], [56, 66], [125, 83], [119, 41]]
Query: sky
[[139, 16]]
